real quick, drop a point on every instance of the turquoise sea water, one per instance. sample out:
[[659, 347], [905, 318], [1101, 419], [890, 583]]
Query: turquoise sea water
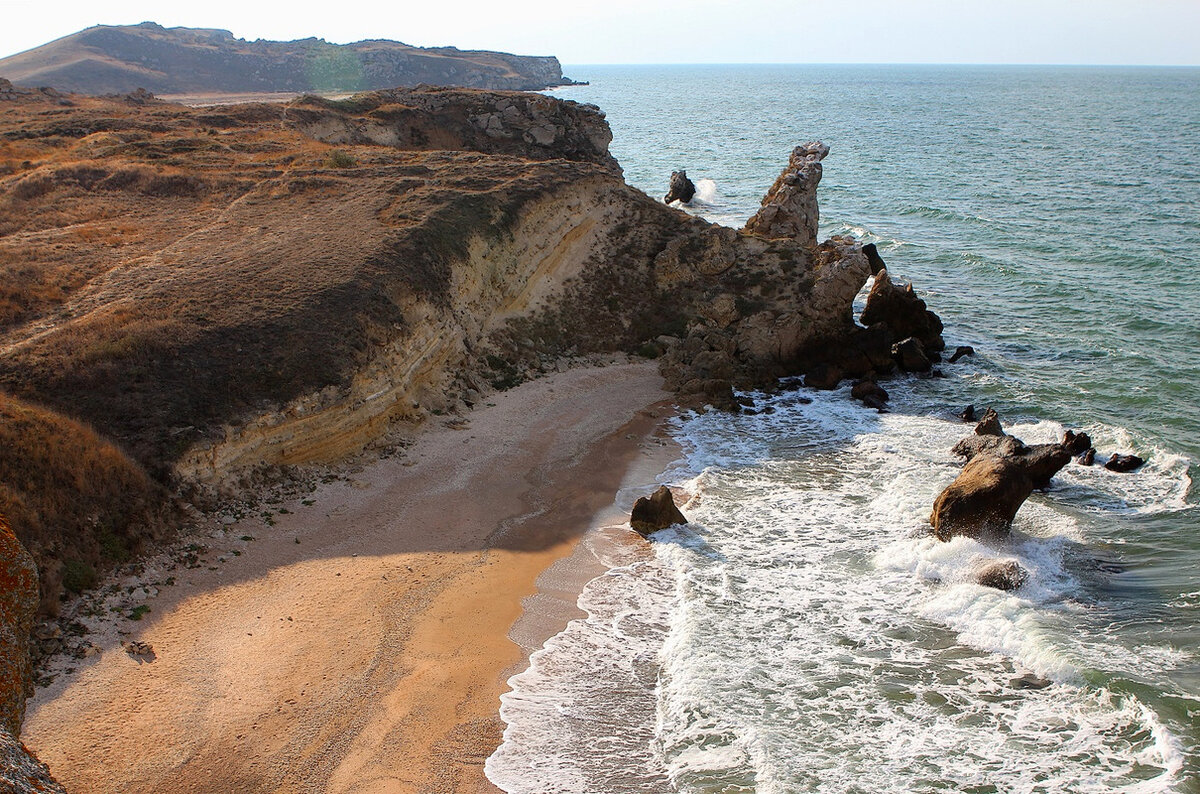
[[804, 633]]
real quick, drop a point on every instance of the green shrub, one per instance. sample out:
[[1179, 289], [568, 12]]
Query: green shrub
[[78, 576], [341, 159]]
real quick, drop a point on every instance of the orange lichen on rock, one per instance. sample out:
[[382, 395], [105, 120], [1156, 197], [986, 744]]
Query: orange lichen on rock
[[18, 604]]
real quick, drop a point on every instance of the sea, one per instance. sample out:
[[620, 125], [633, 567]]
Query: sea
[[805, 632]]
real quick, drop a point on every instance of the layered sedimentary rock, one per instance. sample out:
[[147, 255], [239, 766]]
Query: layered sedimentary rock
[[116, 59], [224, 288]]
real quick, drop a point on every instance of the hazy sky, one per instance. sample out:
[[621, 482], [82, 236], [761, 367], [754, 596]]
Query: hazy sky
[[684, 31]]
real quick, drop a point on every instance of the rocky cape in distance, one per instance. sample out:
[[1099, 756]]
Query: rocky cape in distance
[[117, 59]]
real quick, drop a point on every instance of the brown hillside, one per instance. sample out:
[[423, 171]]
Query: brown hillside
[[217, 289], [115, 59]]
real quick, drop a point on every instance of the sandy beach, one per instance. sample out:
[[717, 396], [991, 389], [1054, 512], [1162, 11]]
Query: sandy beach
[[362, 642]]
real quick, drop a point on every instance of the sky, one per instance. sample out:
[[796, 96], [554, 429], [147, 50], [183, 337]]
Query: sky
[[1165, 32]]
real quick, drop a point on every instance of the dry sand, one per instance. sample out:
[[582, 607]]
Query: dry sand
[[370, 656]]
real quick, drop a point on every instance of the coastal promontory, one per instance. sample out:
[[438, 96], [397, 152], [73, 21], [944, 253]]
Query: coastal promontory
[[117, 59]]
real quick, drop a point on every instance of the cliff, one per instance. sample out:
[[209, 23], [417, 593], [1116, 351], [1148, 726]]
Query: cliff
[[115, 59], [206, 291]]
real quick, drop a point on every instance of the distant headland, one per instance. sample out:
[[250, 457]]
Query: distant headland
[[117, 59]]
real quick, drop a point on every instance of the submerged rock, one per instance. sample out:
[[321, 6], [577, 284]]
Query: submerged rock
[[655, 512], [960, 351], [681, 188], [871, 394], [1123, 463], [1002, 575], [1000, 473]]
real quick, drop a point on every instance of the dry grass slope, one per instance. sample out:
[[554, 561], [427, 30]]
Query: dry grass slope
[[75, 501]]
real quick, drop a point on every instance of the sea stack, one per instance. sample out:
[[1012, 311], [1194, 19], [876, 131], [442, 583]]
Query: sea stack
[[1000, 474], [682, 189]]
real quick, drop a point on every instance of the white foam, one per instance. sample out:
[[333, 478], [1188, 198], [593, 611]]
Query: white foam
[[806, 632]]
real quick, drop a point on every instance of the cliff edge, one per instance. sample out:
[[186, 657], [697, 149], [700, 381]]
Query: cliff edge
[[207, 291]]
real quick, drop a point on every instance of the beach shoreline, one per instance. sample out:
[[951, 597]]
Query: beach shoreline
[[362, 642]]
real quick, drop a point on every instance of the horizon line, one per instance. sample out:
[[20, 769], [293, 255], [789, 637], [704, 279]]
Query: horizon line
[[884, 63]]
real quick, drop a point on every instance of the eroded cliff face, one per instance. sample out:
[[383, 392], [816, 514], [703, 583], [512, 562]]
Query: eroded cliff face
[[218, 289]]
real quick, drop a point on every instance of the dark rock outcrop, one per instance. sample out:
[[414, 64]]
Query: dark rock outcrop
[[655, 512], [118, 59], [960, 351], [910, 355], [903, 312], [871, 394], [967, 414], [1123, 463], [1002, 575], [790, 207], [681, 188], [1087, 458], [989, 425], [873, 257], [998, 477], [1077, 443], [823, 377]]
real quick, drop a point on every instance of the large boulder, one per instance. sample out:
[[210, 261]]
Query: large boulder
[[18, 605], [903, 312], [681, 189], [790, 207], [998, 477], [655, 512]]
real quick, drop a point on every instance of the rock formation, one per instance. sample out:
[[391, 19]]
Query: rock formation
[[789, 210], [1123, 463], [118, 59], [379, 259], [681, 188], [903, 312], [19, 770], [1002, 575], [18, 605], [1000, 474], [655, 512]]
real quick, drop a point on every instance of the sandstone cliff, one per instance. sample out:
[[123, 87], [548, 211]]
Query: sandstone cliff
[[218, 289], [114, 59]]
